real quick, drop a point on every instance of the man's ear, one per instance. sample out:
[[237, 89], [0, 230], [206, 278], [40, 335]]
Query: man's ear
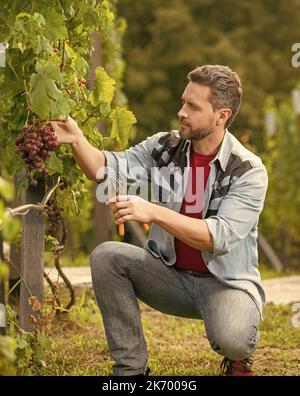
[[224, 114]]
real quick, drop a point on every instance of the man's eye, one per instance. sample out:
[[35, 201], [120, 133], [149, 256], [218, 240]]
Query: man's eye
[[189, 104]]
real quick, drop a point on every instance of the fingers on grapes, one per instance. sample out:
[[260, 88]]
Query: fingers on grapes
[[60, 119]]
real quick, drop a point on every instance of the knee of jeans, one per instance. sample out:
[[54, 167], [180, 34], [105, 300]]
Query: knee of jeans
[[101, 256], [236, 345]]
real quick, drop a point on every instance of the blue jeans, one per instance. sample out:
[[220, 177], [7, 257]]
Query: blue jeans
[[123, 273]]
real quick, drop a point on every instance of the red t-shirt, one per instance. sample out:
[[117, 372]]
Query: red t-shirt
[[187, 257]]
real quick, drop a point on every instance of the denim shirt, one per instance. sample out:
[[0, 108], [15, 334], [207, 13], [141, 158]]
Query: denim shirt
[[233, 200]]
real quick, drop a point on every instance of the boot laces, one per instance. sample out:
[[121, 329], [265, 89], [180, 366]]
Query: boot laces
[[230, 366]]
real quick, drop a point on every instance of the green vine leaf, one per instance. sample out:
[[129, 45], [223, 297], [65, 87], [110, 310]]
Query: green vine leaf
[[28, 32], [6, 189], [52, 71], [46, 100], [122, 121], [50, 243], [54, 164], [11, 227], [104, 88], [56, 25]]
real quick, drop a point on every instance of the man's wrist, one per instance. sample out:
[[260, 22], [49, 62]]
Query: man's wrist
[[77, 138], [155, 213]]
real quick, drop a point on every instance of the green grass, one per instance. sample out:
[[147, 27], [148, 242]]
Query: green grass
[[177, 346]]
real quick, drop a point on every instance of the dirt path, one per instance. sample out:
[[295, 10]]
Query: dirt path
[[283, 290]]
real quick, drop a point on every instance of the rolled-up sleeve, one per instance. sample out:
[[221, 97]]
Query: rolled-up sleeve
[[239, 210]]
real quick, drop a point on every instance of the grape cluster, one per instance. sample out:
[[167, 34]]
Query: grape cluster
[[35, 143], [53, 216]]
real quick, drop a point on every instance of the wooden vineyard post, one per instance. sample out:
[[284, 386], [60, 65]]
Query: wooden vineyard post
[[32, 256]]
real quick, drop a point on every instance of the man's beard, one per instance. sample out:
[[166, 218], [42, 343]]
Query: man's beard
[[196, 134]]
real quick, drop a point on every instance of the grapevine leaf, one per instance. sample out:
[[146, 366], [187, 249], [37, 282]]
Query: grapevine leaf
[[43, 45], [60, 107], [70, 54], [104, 109], [77, 63], [46, 100], [55, 25], [52, 71], [106, 17], [122, 121], [84, 9], [42, 339], [38, 353], [91, 18], [70, 168], [22, 343], [39, 100], [54, 164], [11, 228], [81, 66], [104, 88], [6, 189], [50, 243], [28, 31]]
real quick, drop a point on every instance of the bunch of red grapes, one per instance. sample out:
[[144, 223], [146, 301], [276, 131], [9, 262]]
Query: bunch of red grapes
[[35, 143], [53, 216]]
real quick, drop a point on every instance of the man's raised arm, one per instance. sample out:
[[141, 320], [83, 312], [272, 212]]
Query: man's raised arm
[[89, 158]]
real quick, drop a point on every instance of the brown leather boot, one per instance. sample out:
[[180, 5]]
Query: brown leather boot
[[237, 368]]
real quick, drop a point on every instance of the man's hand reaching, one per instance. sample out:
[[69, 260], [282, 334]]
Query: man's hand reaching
[[89, 158], [67, 131]]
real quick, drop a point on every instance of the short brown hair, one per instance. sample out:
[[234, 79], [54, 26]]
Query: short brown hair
[[226, 87]]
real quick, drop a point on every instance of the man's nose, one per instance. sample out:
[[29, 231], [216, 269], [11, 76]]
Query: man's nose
[[182, 113]]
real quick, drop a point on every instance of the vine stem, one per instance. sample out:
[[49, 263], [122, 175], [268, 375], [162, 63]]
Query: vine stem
[[26, 95], [92, 114], [57, 251], [53, 289], [27, 117], [24, 209]]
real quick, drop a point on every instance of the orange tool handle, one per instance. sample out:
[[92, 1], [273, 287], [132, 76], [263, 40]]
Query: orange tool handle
[[146, 227], [121, 230]]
